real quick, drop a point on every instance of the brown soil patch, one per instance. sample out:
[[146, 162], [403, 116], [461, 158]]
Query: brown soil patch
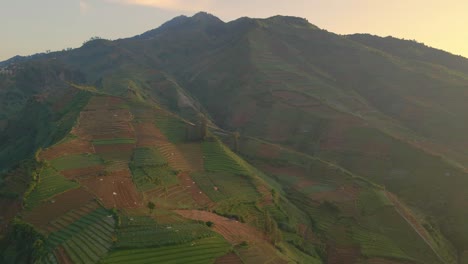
[[193, 154], [342, 255], [267, 197], [114, 148], [104, 118], [230, 258], [174, 157], [261, 253], [74, 146], [176, 196], [98, 170], [115, 190], [385, 261], [198, 196], [148, 135], [340, 195], [62, 203], [62, 256], [232, 230], [268, 151]]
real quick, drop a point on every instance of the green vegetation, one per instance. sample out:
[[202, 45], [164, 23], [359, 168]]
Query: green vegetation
[[173, 128], [221, 185], [199, 251], [76, 161], [150, 169], [377, 245], [87, 239], [50, 183], [217, 159], [143, 232]]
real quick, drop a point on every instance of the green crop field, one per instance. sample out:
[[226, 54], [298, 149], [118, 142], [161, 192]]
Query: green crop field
[[142, 232], [222, 185], [87, 239], [148, 157], [76, 161], [114, 141], [217, 159], [172, 128], [372, 200], [150, 169], [377, 245], [201, 251], [50, 184]]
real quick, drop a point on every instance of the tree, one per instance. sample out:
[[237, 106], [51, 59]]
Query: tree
[[236, 136], [151, 206], [203, 121]]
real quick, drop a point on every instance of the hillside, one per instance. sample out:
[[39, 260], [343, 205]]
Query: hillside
[[253, 141]]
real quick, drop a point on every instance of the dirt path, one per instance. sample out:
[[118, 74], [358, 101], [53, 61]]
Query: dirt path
[[413, 222], [233, 231]]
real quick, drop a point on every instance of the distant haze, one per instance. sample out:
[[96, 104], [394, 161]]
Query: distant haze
[[31, 26]]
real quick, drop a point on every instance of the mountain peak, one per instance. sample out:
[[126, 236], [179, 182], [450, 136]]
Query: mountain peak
[[206, 18], [288, 21]]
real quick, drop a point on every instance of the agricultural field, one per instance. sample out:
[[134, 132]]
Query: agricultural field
[[173, 128], [150, 169], [221, 185], [144, 232], [201, 251], [76, 161], [50, 184], [85, 238], [113, 141], [218, 159]]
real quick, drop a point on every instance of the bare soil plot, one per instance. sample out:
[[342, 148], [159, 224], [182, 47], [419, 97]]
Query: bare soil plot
[[230, 258], [74, 146], [80, 173], [341, 254], [198, 196], [41, 215], [148, 135], [233, 231], [105, 118], [193, 154], [115, 190], [62, 256]]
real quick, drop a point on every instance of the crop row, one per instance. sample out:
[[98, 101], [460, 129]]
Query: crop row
[[221, 185], [145, 233], [199, 251], [76, 161], [148, 157], [50, 184], [174, 129], [217, 159]]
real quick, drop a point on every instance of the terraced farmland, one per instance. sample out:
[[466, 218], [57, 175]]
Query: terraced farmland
[[150, 169], [218, 159], [143, 232], [50, 184], [113, 141], [172, 128], [377, 245], [197, 252], [86, 238], [221, 185], [76, 161]]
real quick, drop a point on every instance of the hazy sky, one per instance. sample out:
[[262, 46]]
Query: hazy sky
[[31, 26]]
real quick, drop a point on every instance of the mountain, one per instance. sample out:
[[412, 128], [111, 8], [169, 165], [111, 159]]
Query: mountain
[[252, 141]]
